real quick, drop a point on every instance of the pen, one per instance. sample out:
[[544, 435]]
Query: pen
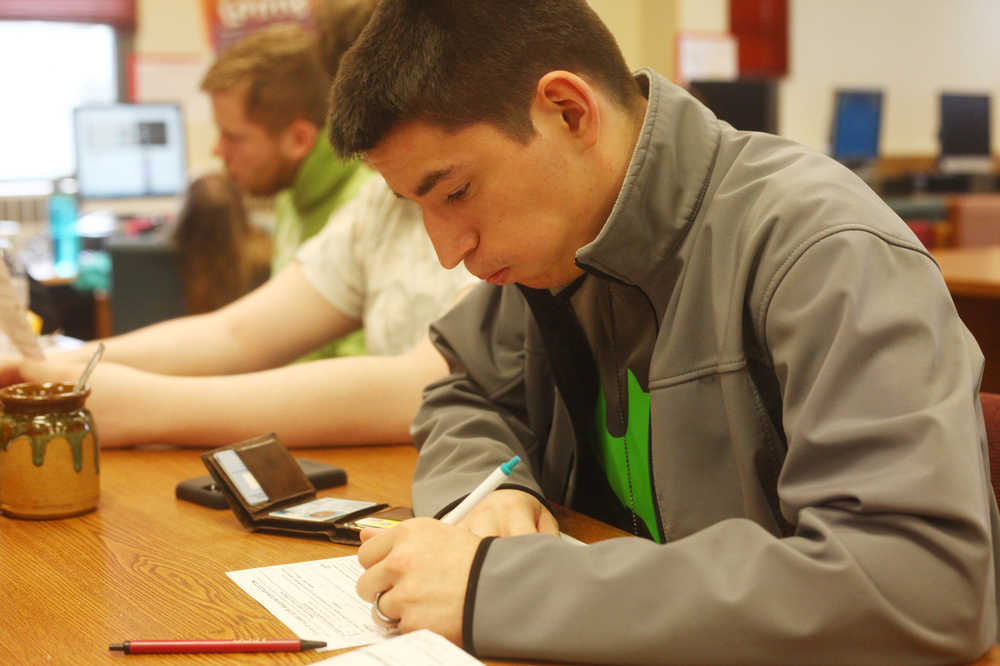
[[488, 485], [259, 645]]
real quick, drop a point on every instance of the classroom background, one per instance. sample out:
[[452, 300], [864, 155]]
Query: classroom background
[[912, 50], [891, 71]]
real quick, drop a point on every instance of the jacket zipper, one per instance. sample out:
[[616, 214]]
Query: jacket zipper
[[652, 477]]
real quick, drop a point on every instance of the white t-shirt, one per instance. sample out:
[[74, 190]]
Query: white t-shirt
[[373, 261]]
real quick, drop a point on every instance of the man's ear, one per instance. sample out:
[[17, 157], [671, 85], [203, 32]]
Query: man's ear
[[299, 138], [565, 99]]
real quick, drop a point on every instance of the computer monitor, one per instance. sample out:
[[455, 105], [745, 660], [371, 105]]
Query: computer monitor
[[746, 104], [964, 133], [856, 127], [129, 150]]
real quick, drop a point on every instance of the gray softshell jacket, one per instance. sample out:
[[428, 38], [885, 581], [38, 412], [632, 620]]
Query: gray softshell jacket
[[818, 454]]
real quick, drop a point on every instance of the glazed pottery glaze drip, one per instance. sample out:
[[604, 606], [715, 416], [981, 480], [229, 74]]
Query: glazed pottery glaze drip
[[49, 454], [40, 442]]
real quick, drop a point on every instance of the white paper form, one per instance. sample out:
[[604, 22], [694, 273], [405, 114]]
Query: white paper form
[[315, 599], [420, 648]]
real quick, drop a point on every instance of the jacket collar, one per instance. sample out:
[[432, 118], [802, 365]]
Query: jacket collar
[[663, 189]]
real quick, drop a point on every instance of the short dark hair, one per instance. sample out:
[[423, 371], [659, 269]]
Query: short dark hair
[[281, 69], [454, 63]]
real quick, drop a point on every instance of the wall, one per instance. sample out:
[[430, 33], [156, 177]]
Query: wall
[[174, 30], [913, 49], [703, 15], [172, 45], [644, 29]]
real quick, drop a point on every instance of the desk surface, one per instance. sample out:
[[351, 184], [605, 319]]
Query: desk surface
[[971, 271], [145, 565]]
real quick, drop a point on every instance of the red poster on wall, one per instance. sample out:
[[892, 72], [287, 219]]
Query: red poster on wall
[[229, 21], [761, 28]]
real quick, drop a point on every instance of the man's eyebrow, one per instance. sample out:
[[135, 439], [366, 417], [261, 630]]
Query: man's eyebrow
[[431, 179]]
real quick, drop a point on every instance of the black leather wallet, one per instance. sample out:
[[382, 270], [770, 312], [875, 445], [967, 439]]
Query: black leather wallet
[[269, 492], [203, 490]]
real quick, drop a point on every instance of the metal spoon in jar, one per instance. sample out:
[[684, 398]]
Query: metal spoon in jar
[[91, 364]]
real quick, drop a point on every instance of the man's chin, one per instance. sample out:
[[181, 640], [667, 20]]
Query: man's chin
[[551, 280]]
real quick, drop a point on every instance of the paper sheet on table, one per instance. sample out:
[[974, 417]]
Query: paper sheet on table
[[316, 600], [420, 648]]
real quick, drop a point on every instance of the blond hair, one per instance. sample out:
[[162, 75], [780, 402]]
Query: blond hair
[[283, 75]]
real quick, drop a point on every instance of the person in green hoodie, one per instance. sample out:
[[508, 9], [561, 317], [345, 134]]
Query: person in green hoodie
[[225, 375], [268, 95]]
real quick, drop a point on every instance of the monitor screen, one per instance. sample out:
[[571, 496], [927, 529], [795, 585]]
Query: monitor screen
[[965, 124], [857, 121], [129, 150], [746, 104]]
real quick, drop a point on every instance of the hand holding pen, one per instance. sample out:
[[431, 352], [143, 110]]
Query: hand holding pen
[[489, 484], [430, 560], [487, 511]]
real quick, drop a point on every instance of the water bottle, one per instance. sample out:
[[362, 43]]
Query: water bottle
[[62, 224]]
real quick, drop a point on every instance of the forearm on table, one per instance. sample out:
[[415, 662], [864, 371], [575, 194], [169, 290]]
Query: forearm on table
[[195, 345], [273, 325], [357, 400]]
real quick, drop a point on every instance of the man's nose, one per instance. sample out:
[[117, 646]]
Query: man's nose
[[451, 242]]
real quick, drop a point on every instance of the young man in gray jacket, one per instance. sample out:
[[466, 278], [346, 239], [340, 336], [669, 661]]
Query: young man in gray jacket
[[717, 340]]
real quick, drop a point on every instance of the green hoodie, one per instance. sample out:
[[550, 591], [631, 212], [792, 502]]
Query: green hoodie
[[323, 183]]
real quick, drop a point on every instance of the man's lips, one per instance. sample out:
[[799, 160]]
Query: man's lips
[[500, 277]]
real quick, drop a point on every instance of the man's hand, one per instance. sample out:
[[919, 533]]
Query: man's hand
[[510, 512], [422, 567], [58, 366]]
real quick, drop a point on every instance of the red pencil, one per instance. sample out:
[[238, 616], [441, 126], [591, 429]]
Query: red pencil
[[258, 645]]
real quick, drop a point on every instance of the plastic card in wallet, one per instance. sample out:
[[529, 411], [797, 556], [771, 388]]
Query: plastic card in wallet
[[269, 492]]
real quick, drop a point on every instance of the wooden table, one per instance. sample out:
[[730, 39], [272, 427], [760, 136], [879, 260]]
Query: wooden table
[[973, 278], [146, 565]]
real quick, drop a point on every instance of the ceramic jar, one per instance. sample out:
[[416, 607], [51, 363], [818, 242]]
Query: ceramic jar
[[48, 452]]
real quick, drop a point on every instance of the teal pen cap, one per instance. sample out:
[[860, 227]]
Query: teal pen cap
[[508, 466], [488, 485]]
